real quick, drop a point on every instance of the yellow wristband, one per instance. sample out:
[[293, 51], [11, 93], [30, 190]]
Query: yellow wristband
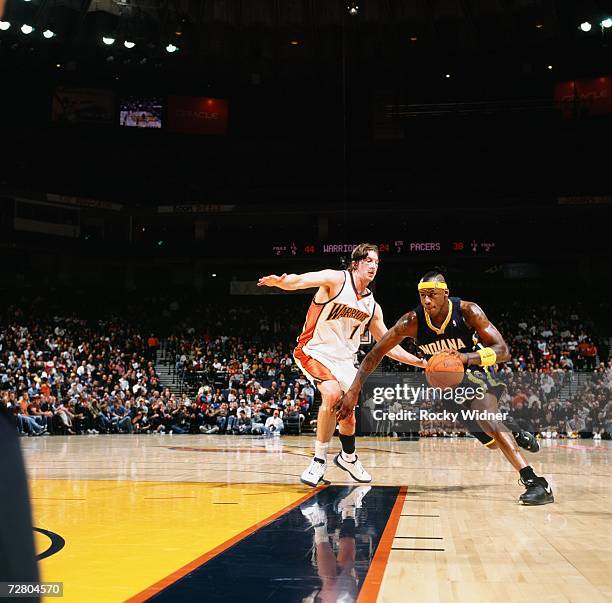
[[488, 357]]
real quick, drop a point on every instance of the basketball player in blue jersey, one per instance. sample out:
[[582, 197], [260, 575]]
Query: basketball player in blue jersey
[[443, 323], [341, 312]]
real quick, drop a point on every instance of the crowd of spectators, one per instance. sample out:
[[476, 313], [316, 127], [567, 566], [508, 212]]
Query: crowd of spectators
[[536, 402], [65, 374], [559, 380], [68, 375], [538, 405]]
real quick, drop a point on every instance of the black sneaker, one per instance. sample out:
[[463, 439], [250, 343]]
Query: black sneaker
[[537, 492], [527, 441]]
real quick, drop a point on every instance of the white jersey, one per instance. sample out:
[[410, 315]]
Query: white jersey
[[333, 329]]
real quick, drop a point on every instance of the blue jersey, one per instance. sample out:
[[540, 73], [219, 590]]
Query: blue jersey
[[455, 334], [452, 334]]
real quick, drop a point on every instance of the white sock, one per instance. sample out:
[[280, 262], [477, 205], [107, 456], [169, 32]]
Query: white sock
[[321, 534], [350, 458], [321, 450]]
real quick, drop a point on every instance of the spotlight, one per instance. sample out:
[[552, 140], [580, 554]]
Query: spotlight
[[294, 42], [549, 67], [447, 75], [4, 25], [108, 40], [586, 26], [353, 8], [129, 44], [214, 275], [180, 28], [27, 29], [607, 23], [171, 48], [48, 34]]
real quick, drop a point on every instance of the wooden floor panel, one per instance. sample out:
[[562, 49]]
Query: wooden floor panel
[[99, 492]]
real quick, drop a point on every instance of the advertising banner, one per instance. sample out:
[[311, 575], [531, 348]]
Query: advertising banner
[[83, 106], [197, 115]]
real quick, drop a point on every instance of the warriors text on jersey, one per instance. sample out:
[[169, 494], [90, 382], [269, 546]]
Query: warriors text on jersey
[[333, 329]]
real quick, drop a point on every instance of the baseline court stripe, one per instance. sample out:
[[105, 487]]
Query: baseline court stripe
[[421, 537], [399, 548]]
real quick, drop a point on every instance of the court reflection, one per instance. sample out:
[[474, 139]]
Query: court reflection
[[336, 539], [320, 551]]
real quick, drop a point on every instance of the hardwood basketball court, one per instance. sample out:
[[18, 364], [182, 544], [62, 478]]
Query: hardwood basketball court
[[225, 518]]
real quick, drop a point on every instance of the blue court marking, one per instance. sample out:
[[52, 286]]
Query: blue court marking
[[282, 562]]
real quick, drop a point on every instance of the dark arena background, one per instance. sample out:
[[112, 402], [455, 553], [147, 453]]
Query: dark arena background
[[156, 431]]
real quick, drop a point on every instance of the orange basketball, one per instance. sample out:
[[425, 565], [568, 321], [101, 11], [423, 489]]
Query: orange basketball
[[444, 370]]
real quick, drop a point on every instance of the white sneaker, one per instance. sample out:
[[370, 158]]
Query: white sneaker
[[354, 469], [348, 505], [314, 473], [314, 513]]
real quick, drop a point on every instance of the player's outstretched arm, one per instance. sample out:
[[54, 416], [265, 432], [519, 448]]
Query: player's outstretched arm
[[290, 282], [405, 327], [496, 349], [378, 329]]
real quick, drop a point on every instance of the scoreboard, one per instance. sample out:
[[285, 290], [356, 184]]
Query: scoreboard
[[397, 247]]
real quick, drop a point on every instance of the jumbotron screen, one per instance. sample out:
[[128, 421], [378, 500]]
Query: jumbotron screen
[[139, 112]]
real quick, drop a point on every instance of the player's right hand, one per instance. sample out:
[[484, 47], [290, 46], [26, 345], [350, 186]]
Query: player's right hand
[[346, 405], [270, 281], [463, 357]]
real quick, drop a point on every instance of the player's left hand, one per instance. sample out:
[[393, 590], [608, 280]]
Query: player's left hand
[[346, 405]]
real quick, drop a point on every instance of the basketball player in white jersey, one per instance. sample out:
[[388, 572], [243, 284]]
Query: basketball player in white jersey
[[341, 312]]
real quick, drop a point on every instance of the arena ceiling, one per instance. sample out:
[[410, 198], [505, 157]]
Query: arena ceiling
[[302, 29], [324, 103]]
